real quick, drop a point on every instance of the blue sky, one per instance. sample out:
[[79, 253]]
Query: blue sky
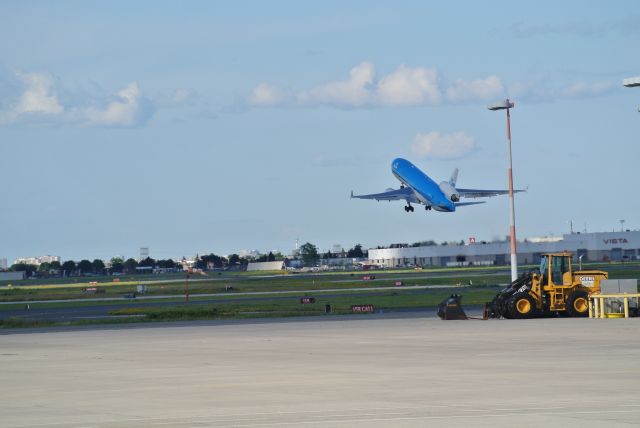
[[219, 126]]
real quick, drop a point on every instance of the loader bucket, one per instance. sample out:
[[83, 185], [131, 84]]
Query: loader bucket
[[451, 308], [490, 311]]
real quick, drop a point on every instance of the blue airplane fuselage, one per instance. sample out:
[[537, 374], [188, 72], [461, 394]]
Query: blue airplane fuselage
[[426, 190]]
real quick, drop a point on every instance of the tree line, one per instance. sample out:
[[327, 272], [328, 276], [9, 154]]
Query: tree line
[[96, 267], [311, 257], [117, 265]]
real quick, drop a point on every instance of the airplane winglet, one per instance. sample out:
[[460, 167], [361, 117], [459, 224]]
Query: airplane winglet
[[352, 194]]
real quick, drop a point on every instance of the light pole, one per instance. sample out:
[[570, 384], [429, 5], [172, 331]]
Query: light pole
[[186, 288], [570, 225], [507, 105], [632, 82]]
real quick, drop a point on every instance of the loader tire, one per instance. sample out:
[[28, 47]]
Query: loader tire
[[522, 306], [578, 304]]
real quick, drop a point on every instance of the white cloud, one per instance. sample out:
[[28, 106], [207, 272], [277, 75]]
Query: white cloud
[[409, 87], [38, 98], [435, 145], [519, 90], [178, 98], [265, 95], [417, 86], [406, 86], [129, 109], [353, 92], [475, 90]]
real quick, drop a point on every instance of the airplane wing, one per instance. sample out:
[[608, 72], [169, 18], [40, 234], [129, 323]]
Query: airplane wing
[[402, 194], [480, 193], [464, 204]]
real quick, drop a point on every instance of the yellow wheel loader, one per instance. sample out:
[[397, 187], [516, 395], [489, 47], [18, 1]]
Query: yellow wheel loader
[[554, 289]]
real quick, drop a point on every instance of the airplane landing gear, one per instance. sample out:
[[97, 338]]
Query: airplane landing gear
[[408, 208], [428, 208]]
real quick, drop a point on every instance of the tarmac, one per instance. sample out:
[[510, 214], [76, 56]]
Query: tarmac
[[356, 371]]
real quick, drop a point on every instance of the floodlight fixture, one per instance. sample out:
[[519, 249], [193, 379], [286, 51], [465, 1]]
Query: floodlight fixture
[[502, 105]]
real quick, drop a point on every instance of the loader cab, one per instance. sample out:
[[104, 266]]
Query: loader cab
[[555, 269]]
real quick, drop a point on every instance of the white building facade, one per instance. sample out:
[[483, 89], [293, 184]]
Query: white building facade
[[38, 260], [602, 246]]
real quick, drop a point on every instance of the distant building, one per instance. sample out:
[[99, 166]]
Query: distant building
[[279, 265], [253, 254], [38, 260], [3, 263], [187, 263], [601, 247], [295, 264], [12, 276], [342, 262]]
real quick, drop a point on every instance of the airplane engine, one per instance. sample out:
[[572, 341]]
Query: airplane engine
[[450, 191]]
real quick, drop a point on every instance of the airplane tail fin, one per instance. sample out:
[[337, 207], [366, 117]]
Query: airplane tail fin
[[454, 177]]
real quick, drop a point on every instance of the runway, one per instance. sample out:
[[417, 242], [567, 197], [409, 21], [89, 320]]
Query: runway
[[357, 371]]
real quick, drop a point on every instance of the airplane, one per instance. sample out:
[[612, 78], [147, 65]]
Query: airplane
[[418, 188]]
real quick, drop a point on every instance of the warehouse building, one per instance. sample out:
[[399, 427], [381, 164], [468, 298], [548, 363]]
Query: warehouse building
[[256, 266], [602, 246], [12, 276]]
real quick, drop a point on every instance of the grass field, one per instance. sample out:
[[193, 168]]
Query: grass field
[[339, 289], [218, 275], [263, 283], [340, 305], [267, 306], [233, 284]]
